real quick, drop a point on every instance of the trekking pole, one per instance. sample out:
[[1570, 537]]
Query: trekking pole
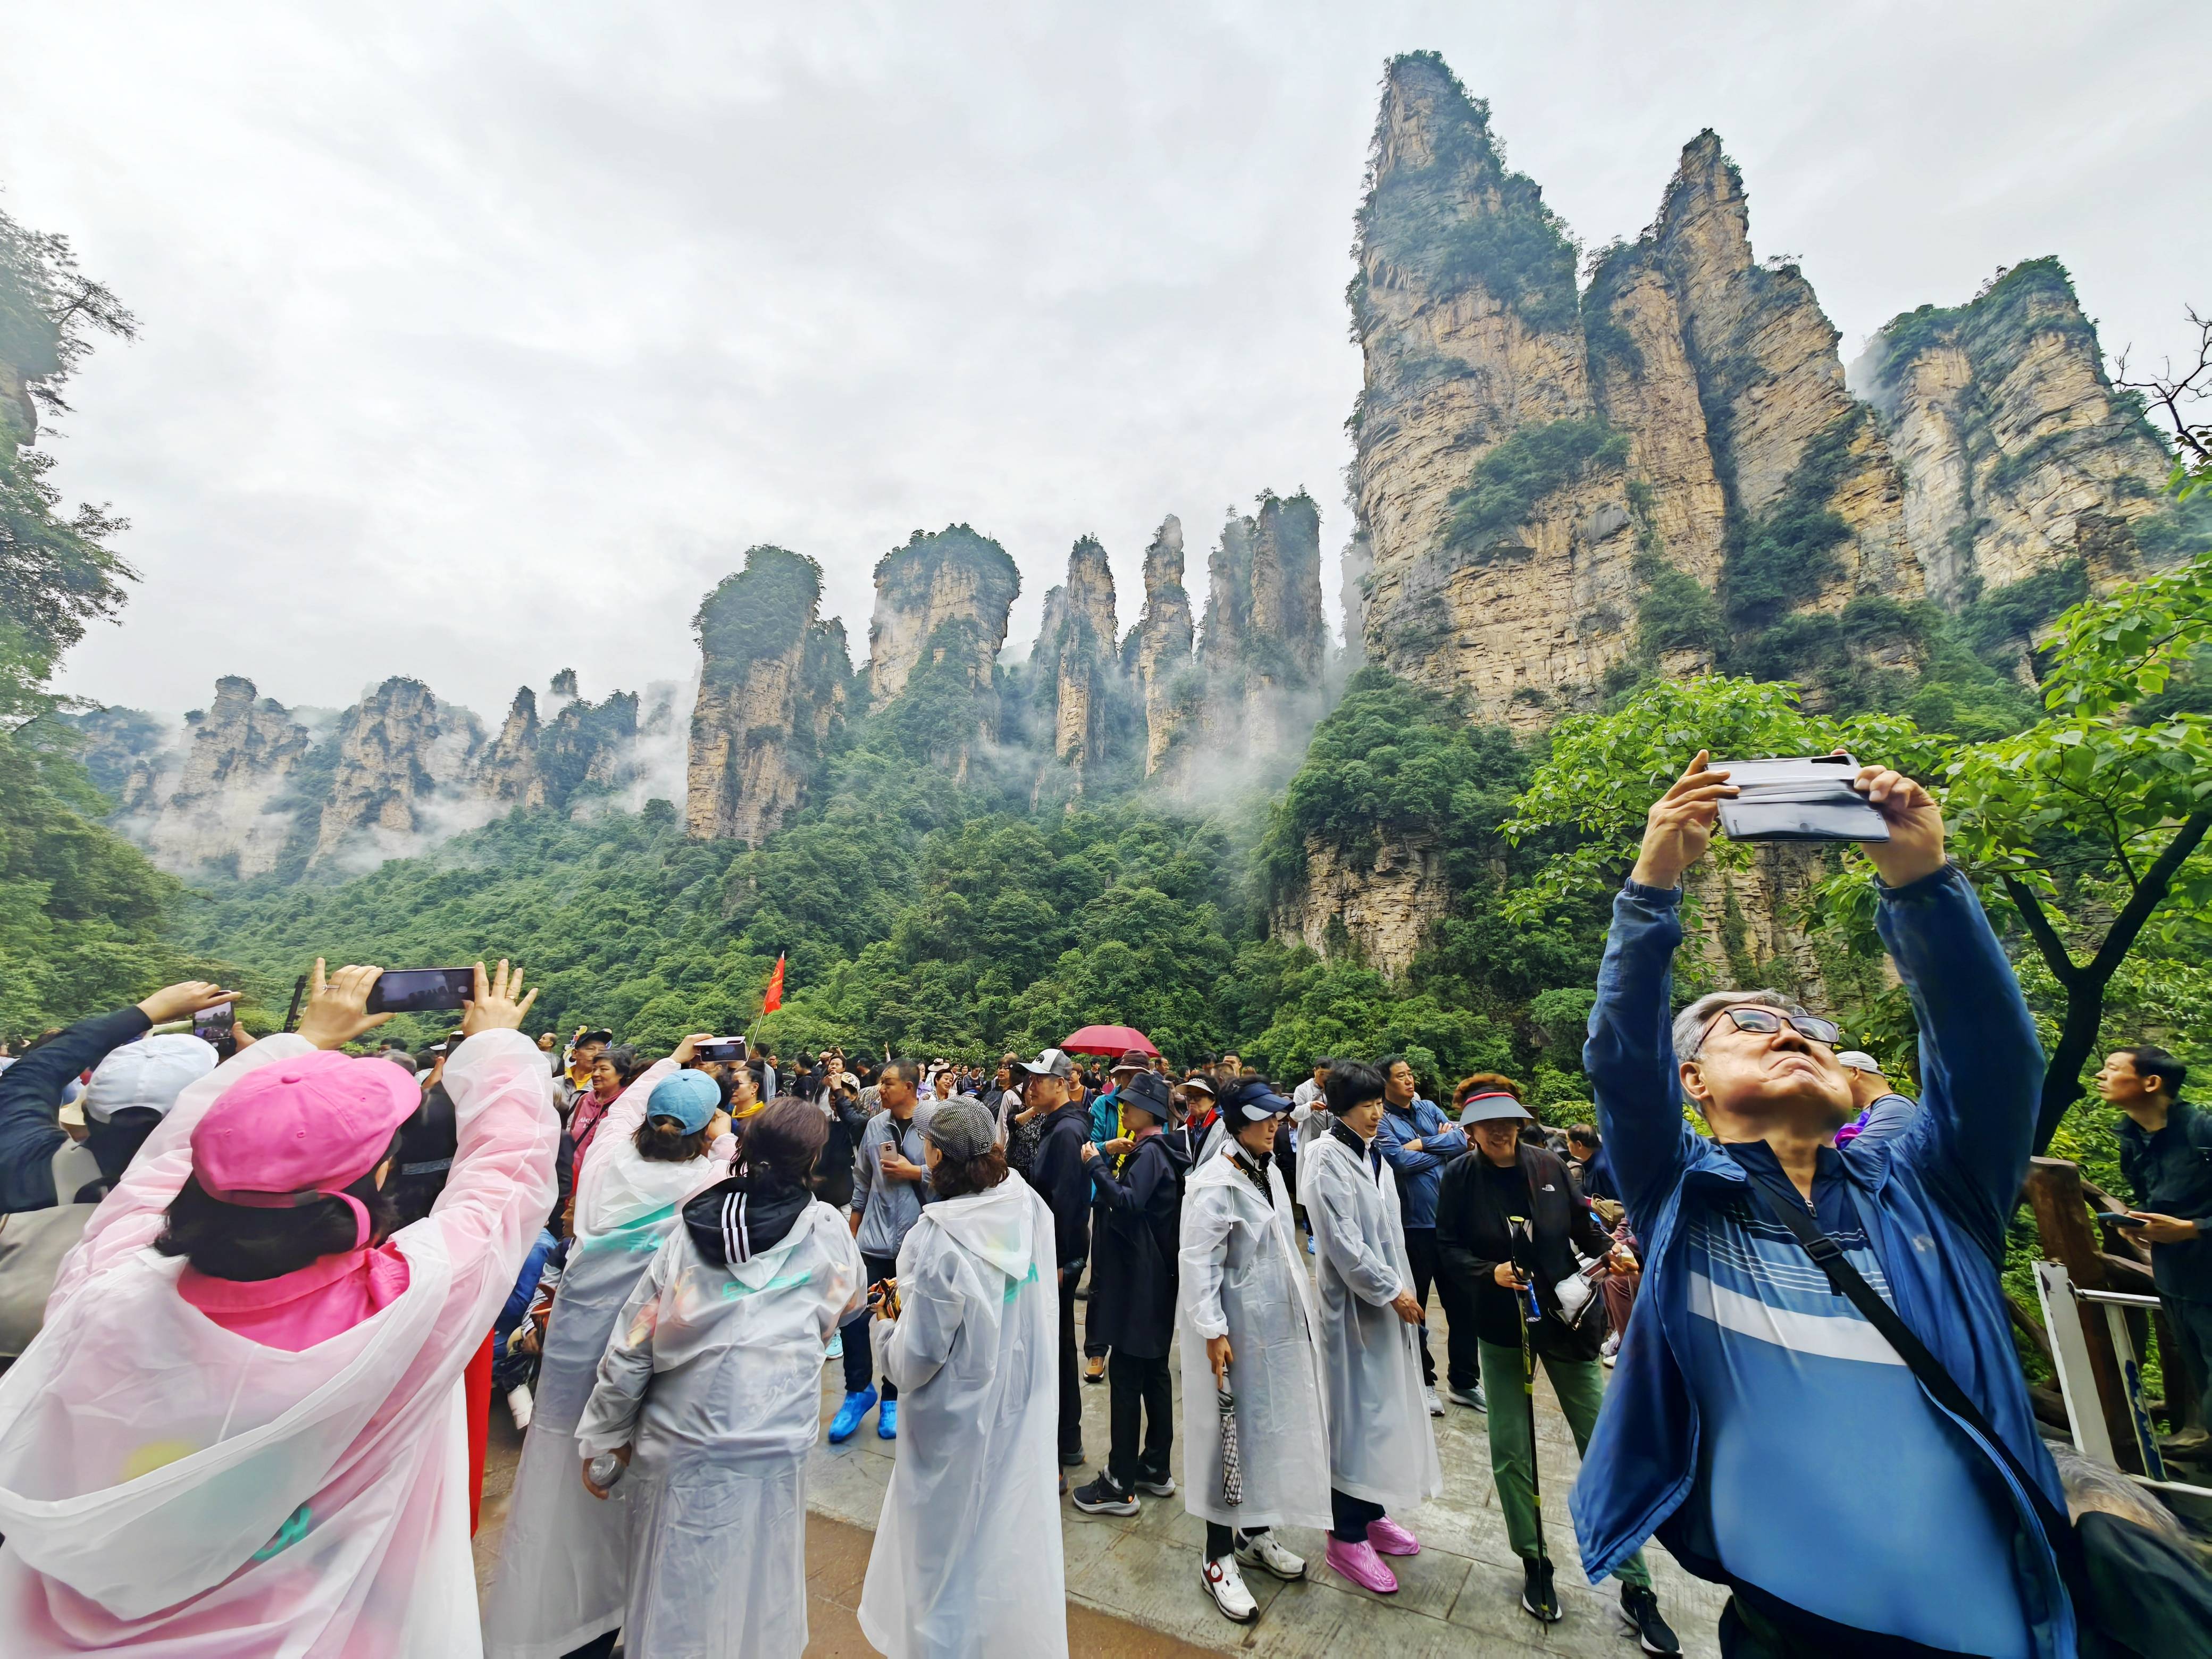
[[1533, 1312]]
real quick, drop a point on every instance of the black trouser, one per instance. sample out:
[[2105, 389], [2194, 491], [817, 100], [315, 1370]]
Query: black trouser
[[1222, 1541], [1102, 1289], [599, 1647], [1461, 1363], [1139, 1387], [1352, 1516], [860, 1354], [1070, 1387]]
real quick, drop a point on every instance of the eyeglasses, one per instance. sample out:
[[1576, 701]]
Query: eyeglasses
[[1750, 1017]]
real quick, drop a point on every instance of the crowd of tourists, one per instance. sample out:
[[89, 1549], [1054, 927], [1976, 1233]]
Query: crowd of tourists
[[258, 1306]]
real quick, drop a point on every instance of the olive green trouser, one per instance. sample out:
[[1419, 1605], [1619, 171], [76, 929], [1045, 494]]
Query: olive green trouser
[[1580, 1386]]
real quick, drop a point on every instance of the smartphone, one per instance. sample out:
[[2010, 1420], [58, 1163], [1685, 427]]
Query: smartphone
[[2118, 1219], [422, 990], [723, 1049], [1802, 798], [217, 1028]]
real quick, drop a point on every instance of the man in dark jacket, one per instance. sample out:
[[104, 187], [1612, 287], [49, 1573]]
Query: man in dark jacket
[[1060, 1174], [1139, 1236], [2165, 1153], [31, 1096], [1510, 1222]]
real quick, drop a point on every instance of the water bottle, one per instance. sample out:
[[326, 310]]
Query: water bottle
[[606, 1469]]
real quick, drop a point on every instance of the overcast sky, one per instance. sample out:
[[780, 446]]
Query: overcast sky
[[479, 341]]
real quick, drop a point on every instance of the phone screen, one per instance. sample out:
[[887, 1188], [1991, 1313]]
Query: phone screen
[[210, 1023], [421, 990]]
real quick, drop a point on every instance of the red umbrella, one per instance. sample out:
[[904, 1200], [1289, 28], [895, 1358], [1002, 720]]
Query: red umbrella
[[1114, 1040]]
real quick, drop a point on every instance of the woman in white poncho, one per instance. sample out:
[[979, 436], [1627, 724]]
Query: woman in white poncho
[[563, 1573], [1248, 1328], [967, 1561], [1382, 1451], [709, 1397]]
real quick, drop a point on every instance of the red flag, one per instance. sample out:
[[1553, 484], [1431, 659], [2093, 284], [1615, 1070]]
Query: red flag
[[774, 999]]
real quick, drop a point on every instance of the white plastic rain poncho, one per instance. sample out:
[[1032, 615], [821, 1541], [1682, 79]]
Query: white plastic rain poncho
[[714, 1376], [1381, 1447], [563, 1568], [1242, 1277], [966, 1560], [168, 1488]]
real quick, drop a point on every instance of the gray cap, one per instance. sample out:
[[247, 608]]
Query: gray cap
[[1051, 1063], [962, 1127], [1858, 1060]]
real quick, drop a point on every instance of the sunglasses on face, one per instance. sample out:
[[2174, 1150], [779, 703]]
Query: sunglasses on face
[[1766, 1021]]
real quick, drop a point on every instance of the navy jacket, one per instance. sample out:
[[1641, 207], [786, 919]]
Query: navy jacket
[[1934, 1197], [1057, 1173], [31, 1101], [1139, 1242]]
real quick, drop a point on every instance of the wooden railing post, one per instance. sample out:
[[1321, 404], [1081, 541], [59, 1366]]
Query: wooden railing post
[[2061, 1221]]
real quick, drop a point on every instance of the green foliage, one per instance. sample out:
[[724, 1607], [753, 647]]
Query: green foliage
[[1675, 612], [757, 612], [1786, 555], [56, 574], [1605, 770], [1510, 480], [1391, 761], [1341, 1008], [83, 913]]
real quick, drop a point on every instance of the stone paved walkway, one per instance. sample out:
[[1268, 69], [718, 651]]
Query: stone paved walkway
[[1459, 1596]]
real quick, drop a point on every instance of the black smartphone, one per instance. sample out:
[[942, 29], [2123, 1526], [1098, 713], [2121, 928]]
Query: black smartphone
[[723, 1049], [2120, 1219], [421, 990], [217, 1028]]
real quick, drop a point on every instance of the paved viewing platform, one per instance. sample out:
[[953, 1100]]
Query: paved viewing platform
[[1132, 1583]]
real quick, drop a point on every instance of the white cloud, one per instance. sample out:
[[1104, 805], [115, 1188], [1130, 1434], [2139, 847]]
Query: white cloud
[[481, 341]]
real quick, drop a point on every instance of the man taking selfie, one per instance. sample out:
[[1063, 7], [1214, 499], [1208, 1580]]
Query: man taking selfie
[[1736, 1425]]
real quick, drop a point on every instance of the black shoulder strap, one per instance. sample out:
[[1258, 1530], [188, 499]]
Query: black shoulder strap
[[1785, 1204]]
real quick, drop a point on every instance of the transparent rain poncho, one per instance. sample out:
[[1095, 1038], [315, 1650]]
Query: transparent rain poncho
[[168, 1488], [1243, 1276], [967, 1562], [1380, 1446], [715, 1377], [563, 1568]]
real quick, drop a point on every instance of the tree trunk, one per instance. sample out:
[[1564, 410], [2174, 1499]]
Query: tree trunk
[[2084, 982]]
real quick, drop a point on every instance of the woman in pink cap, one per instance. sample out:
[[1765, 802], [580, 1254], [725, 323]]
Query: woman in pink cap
[[240, 1430]]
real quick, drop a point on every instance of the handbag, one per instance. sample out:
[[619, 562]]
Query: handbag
[[1786, 1205]]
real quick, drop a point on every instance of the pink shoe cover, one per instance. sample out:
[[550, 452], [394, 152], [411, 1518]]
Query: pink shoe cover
[[1391, 1539], [1359, 1563]]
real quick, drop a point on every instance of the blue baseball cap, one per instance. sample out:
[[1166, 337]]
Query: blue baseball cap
[[691, 1098], [1253, 1100]]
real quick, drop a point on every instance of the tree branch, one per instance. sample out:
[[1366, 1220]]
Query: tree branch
[[2061, 965]]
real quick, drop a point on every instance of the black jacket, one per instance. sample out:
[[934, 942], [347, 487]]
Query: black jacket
[[736, 1218], [1058, 1174], [31, 1103], [1139, 1233], [1473, 1237], [2171, 1172]]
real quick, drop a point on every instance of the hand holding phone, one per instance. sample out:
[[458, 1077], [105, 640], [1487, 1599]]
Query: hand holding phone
[[2121, 1218]]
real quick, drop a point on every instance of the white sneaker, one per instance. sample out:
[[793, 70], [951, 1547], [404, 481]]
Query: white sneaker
[[1437, 1401], [1226, 1586], [518, 1404], [1264, 1553]]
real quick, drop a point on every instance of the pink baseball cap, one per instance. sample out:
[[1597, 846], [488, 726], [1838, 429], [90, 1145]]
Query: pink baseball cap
[[297, 1130]]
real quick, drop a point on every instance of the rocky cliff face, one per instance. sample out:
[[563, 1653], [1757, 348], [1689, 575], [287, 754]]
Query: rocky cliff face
[[1531, 459], [222, 801], [1384, 903], [1077, 660], [772, 692], [1167, 679], [941, 600], [254, 788], [403, 762], [2018, 454]]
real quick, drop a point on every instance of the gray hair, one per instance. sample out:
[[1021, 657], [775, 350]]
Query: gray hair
[[1691, 1023]]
